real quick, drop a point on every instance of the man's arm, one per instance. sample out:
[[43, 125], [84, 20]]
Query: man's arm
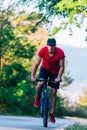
[[61, 70], [35, 68]]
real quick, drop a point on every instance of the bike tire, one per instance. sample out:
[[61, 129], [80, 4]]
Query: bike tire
[[45, 111], [41, 111], [45, 119]]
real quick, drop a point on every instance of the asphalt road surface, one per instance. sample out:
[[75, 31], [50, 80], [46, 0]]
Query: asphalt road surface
[[34, 123]]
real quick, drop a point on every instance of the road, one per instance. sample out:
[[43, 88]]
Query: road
[[34, 123]]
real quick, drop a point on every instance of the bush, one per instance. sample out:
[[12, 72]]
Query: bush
[[77, 127], [79, 112]]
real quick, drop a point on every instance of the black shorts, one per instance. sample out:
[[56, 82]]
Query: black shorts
[[47, 75]]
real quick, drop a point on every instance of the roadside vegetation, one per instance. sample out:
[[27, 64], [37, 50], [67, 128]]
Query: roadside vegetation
[[77, 127]]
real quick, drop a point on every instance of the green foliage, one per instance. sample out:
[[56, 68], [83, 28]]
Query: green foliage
[[77, 126], [21, 50], [68, 11], [76, 112], [63, 8], [16, 100], [16, 92], [83, 98], [83, 104], [7, 35], [67, 79], [73, 11], [13, 74], [55, 30], [36, 19], [35, 16]]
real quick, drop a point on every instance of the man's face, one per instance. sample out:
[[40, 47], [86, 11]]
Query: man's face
[[51, 49]]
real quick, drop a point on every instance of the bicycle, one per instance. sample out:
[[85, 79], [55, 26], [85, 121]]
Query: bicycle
[[45, 103]]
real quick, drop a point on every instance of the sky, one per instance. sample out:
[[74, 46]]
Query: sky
[[75, 48]]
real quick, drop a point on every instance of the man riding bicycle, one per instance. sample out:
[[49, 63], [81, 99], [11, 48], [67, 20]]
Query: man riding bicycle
[[52, 67]]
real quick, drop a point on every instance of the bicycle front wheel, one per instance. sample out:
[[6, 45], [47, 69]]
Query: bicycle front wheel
[[45, 111], [45, 119]]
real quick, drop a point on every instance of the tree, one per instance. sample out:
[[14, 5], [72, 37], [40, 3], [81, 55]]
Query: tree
[[79, 109], [69, 11], [64, 8], [83, 98], [15, 51]]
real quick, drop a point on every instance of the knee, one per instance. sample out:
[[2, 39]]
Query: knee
[[40, 84]]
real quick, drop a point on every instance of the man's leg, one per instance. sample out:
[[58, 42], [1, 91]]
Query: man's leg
[[53, 104], [39, 88], [53, 100], [38, 93], [43, 74]]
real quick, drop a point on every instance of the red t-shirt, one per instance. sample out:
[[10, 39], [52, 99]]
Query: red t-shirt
[[51, 64]]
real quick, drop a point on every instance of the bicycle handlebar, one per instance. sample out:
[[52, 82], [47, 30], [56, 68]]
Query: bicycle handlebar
[[46, 80]]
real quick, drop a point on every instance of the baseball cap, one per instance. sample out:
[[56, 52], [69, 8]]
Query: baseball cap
[[51, 42]]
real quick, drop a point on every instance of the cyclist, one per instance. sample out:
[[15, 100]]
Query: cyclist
[[52, 67]]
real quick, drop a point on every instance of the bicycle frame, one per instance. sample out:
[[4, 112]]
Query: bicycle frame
[[45, 103], [45, 94], [44, 107]]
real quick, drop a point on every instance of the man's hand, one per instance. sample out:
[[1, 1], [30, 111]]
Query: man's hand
[[33, 79], [58, 79]]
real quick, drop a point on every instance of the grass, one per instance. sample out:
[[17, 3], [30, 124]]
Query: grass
[[77, 127]]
